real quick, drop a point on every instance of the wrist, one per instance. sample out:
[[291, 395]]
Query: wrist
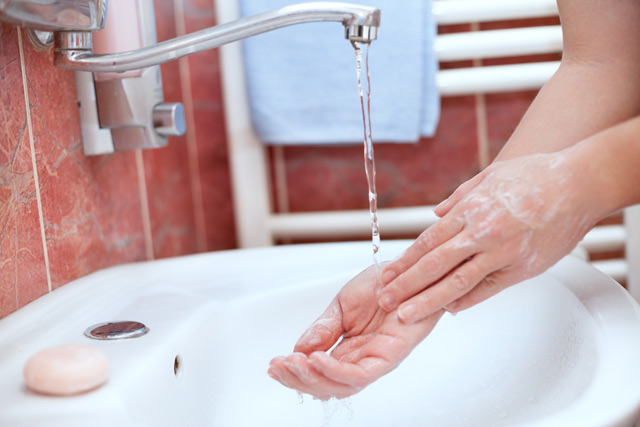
[[608, 168]]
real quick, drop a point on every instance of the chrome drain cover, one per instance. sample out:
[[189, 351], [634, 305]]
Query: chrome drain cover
[[119, 330]]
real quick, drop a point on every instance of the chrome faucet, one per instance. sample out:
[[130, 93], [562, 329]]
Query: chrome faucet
[[129, 113], [73, 50], [56, 15]]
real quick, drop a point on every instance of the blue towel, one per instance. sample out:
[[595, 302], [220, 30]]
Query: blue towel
[[302, 85]]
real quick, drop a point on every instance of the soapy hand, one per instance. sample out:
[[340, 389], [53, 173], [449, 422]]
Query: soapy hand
[[373, 343], [507, 224]]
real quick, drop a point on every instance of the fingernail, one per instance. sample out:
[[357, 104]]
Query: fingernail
[[388, 275], [387, 301], [274, 376], [288, 365], [407, 312], [451, 307]]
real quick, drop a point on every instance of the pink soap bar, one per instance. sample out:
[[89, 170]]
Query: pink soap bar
[[66, 370]]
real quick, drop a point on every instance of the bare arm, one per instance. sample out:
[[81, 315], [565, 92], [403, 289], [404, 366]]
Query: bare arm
[[597, 84], [526, 210]]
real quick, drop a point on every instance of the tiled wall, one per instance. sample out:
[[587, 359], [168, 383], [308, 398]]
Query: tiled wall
[[64, 215]]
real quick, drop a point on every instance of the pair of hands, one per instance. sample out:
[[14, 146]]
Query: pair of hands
[[509, 223]]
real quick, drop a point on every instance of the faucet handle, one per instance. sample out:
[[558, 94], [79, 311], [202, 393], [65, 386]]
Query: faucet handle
[[169, 120]]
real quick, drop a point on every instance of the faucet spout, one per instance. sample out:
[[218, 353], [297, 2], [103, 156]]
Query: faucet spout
[[73, 50]]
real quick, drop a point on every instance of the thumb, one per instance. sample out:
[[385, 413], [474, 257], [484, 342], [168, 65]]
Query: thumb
[[324, 332]]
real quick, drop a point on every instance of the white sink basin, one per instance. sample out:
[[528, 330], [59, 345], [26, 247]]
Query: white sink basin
[[562, 349]]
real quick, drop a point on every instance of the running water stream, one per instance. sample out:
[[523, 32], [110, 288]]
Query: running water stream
[[369, 160], [330, 408]]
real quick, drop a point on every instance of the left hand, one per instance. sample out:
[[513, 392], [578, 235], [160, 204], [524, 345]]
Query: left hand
[[373, 343], [507, 224]]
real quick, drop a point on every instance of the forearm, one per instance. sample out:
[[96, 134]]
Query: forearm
[[579, 101], [597, 85], [609, 162]]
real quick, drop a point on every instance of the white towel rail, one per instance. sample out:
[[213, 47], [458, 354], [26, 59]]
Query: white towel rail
[[632, 224], [498, 43], [494, 79], [449, 12]]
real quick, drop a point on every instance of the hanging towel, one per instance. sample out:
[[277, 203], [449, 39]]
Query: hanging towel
[[302, 87]]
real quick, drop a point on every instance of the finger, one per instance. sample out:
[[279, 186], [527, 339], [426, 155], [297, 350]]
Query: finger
[[445, 206], [459, 282], [357, 376], [324, 332], [279, 372], [488, 287], [274, 366], [350, 348], [310, 380], [431, 238], [428, 270]]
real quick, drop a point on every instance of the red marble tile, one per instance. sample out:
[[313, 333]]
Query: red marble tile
[[167, 175], [504, 112], [173, 228], [215, 179], [91, 206], [165, 30], [165, 19], [205, 80], [12, 113], [92, 214], [319, 180], [22, 267], [170, 200], [204, 66], [171, 87], [210, 134], [199, 14], [22, 274]]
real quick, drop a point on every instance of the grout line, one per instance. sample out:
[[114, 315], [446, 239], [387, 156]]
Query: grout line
[[281, 186], [280, 170], [482, 128], [144, 206], [34, 164], [15, 267], [192, 143], [482, 125]]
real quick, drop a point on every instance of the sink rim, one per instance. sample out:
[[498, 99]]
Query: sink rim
[[597, 292]]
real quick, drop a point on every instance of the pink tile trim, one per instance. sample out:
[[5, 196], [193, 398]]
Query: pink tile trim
[[144, 206], [192, 143], [33, 158]]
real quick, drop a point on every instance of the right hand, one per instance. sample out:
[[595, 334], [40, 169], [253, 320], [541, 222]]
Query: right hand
[[374, 342]]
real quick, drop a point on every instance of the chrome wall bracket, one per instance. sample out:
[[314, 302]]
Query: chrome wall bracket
[[55, 15], [125, 113]]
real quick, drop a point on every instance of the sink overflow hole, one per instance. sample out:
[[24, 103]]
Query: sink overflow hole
[[178, 367]]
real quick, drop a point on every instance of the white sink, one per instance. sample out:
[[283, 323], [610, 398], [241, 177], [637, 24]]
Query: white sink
[[562, 349]]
